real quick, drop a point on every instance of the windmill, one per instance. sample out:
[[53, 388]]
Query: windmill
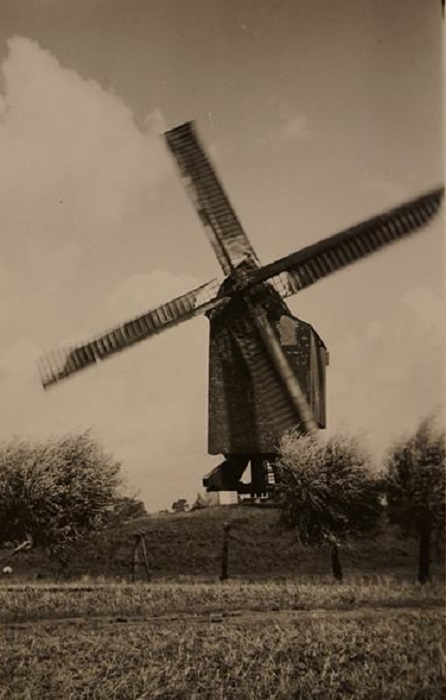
[[266, 367]]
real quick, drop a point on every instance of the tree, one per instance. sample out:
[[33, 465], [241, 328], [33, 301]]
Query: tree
[[415, 487], [180, 506], [55, 492], [327, 491]]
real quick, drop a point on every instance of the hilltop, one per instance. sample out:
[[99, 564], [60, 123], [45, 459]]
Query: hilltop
[[189, 545]]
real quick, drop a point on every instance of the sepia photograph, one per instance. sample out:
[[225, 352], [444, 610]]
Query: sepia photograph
[[222, 335]]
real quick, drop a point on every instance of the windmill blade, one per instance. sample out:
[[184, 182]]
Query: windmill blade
[[301, 269], [61, 364], [227, 237], [293, 390]]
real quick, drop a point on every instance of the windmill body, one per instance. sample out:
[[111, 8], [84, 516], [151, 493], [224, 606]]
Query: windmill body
[[249, 408], [266, 367]]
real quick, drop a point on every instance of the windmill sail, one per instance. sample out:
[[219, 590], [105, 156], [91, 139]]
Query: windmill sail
[[226, 234], [331, 254], [61, 364]]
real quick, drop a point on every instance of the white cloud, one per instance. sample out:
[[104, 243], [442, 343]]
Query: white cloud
[[295, 129], [20, 357], [428, 310], [289, 123], [81, 183], [72, 158], [154, 122], [77, 175], [394, 365], [142, 292], [374, 330], [389, 192]]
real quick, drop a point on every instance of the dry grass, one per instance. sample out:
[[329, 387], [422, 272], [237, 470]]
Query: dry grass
[[92, 598], [365, 639], [392, 657]]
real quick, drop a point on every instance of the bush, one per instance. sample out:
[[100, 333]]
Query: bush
[[327, 491], [55, 492]]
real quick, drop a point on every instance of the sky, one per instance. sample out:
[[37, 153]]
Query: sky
[[316, 116]]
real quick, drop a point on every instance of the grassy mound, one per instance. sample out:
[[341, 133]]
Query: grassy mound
[[189, 545]]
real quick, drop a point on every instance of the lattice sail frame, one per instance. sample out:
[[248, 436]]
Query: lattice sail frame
[[225, 232], [317, 261], [60, 364]]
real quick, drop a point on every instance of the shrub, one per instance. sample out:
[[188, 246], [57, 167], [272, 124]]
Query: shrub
[[327, 491], [55, 492]]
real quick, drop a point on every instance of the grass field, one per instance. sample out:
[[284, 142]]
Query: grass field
[[279, 629], [243, 640], [93, 599]]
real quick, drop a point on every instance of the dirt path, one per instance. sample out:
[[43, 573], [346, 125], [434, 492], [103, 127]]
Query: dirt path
[[237, 618]]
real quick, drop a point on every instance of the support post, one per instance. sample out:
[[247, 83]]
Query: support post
[[259, 486]]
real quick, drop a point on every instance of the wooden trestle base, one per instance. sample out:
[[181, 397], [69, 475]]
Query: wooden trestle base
[[227, 475]]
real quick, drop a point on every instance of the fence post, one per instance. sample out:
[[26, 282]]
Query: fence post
[[134, 558], [144, 552], [140, 542], [224, 559]]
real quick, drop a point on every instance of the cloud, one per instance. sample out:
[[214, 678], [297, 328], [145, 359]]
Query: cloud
[[374, 330], [20, 357], [142, 292], [395, 365], [389, 191], [78, 174], [83, 185], [295, 129], [289, 124], [72, 158], [427, 310]]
